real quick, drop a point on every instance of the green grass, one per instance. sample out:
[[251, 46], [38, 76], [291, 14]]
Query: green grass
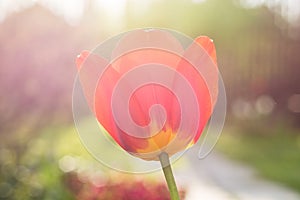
[[275, 154]]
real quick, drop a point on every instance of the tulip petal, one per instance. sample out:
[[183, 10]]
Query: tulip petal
[[103, 81], [203, 76], [147, 39], [208, 45], [141, 100], [90, 70], [90, 67]]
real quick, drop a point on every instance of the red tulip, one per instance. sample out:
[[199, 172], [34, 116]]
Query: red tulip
[[148, 69]]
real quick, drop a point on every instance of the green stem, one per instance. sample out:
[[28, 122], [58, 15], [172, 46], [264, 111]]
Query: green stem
[[166, 166]]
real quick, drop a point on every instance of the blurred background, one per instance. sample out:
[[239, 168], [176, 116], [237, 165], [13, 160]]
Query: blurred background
[[258, 48]]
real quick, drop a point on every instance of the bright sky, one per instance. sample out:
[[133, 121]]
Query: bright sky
[[289, 9], [72, 10]]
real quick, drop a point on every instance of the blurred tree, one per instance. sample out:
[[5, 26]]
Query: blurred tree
[[37, 70]]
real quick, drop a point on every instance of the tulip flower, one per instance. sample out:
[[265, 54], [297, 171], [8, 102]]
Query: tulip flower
[[154, 97]]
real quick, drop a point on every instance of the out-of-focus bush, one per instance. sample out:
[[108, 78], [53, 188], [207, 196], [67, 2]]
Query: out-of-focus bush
[[117, 190], [36, 71]]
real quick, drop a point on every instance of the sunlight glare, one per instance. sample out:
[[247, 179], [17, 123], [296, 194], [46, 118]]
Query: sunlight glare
[[113, 8], [71, 10], [10, 6]]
